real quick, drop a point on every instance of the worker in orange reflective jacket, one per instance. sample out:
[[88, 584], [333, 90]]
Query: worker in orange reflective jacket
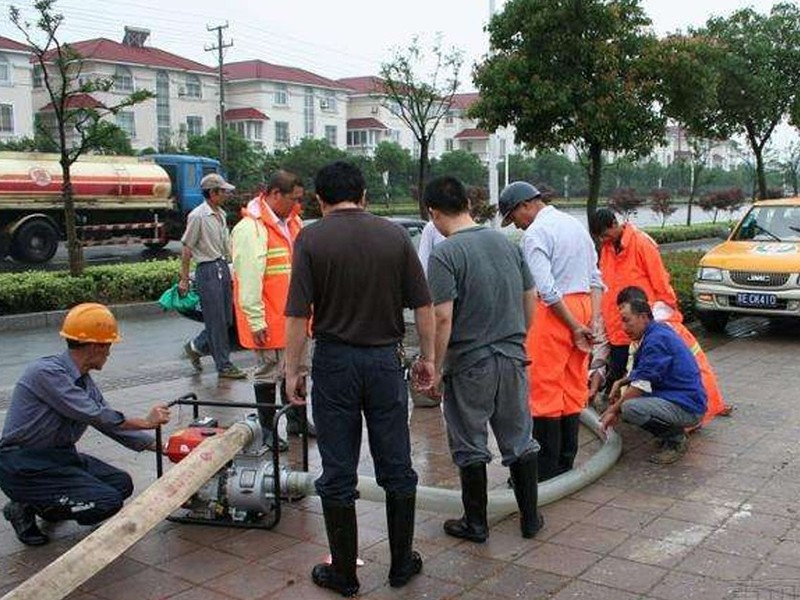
[[630, 257]]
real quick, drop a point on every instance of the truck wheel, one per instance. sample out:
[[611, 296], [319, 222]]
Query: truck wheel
[[34, 242], [155, 245], [713, 322]]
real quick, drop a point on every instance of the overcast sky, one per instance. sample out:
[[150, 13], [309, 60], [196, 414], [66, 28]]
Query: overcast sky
[[334, 39]]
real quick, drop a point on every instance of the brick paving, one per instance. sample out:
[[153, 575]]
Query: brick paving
[[721, 524]]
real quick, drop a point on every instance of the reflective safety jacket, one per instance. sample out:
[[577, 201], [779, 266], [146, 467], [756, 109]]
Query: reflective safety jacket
[[262, 262]]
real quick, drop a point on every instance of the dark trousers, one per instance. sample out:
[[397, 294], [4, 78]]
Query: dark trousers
[[617, 364], [349, 380], [62, 484], [214, 286]]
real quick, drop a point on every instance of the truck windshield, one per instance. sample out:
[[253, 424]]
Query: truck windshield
[[770, 224]]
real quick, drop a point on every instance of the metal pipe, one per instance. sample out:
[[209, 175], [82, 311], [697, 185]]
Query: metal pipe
[[115, 536]]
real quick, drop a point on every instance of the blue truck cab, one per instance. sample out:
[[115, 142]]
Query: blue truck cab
[[185, 173]]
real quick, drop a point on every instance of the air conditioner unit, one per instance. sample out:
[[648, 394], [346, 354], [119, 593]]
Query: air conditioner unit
[[181, 92], [324, 104], [375, 110]]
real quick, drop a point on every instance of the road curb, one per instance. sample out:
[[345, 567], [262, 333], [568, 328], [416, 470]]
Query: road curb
[[53, 318]]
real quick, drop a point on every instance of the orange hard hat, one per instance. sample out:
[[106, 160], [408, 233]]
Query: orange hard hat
[[91, 323]]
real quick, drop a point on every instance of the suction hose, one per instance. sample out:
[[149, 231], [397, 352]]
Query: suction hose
[[501, 502]]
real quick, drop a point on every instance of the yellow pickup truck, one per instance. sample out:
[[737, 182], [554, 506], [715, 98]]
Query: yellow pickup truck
[[756, 271]]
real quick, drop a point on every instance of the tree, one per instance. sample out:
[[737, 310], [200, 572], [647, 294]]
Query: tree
[[572, 72], [245, 163], [308, 157], [625, 201], [791, 167], [395, 162], [420, 102], [76, 125], [661, 204], [752, 62], [462, 164]]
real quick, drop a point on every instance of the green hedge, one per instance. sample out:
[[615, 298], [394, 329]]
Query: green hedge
[[37, 291], [682, 233]]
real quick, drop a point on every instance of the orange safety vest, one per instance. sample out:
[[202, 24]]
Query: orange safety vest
[[638, 263], [275, 284]]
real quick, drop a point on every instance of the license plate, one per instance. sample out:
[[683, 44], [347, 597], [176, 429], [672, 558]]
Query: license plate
[[757, 300]]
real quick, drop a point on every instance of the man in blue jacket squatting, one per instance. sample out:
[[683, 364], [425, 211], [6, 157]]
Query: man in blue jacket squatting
[[663, 392]]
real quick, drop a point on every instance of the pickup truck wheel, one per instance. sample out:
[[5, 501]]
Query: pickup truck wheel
[[34, 242], [155, 245], [713, 322]]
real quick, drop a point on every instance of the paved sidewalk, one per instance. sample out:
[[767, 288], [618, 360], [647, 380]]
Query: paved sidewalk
[[721, 524]]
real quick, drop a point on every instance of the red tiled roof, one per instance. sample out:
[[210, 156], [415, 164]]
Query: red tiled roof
[[9, 44], [365, 123], [79, 101], [115, 52], [464, 101], [245, 114], [471, 134], [258, 69], [364, 85]]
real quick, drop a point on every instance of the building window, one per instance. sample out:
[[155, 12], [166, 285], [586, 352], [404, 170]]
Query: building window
[[328, 103], [331, 134], [194, 89], [127, 122], [37, 76], [357, 137], [123, 79], [448, 118], [194, 126], [308, 112], [252, 131], [448, 145], [281, 134], [162, 110], [6, 118], [281, 94], [5, 70]]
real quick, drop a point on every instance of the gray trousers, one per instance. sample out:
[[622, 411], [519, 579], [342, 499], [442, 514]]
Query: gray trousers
[[640, 411], [213, 283], [493, 391]]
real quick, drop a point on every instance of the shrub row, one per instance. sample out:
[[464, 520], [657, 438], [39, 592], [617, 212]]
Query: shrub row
[[682, 267], [682, 233], [37, 291]]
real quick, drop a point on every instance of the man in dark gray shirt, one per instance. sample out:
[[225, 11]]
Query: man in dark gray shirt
[[356, 272], [52, 404], [483, 302]]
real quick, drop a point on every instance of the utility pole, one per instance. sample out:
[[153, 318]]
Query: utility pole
[[494, 192], [219, 47]]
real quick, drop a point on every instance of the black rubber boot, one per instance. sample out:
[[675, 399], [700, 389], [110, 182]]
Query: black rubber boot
[[23, 519], [570, 426], [663, 431], [547, 432], [342, 530], [295, 416], [406, 562], [526, 491], [473, 525], [265, 393]]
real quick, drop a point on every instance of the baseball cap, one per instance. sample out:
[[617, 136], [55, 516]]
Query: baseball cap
[[215, 181], [512, 196]]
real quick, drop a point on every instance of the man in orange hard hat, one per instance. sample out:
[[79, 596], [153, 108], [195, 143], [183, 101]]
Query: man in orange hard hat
[[52, 404]]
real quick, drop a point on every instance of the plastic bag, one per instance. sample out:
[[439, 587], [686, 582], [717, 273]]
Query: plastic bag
[[172, 300]]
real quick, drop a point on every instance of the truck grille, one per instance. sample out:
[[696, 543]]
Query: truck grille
[[754, 279]]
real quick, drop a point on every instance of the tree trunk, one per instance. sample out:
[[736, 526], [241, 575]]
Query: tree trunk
[[74, 247], [595, 172], [761, 175], [422, 174]]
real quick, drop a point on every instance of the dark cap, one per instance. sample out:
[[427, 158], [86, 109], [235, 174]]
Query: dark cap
[[512, 196]]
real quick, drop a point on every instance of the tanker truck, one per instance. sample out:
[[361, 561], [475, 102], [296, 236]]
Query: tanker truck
[[118, 200]]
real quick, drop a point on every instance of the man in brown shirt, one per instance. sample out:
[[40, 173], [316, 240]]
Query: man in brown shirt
[[357, 272]]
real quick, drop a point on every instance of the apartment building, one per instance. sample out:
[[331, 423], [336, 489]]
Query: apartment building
[[16, 112], [276, 106], [186, 92]]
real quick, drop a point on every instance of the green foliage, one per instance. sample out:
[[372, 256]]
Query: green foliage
[[112, 140], [682, 267], [37, 291], [308, 157], [682, 233], [573, 72], [392, 158], [464, 165], [245, 164]]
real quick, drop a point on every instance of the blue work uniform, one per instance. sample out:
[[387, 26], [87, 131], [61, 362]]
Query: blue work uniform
[[51, 407]]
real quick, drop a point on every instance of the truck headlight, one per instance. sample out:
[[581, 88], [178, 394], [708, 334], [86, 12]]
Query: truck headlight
[[709, 274]]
